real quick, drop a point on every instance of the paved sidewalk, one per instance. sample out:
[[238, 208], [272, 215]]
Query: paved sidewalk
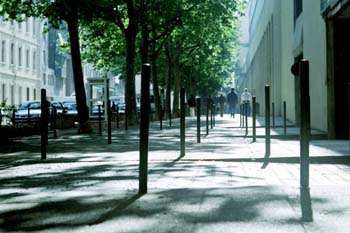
[[86, 185]]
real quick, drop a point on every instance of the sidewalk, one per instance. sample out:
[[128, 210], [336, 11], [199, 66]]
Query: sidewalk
[[86, 185]]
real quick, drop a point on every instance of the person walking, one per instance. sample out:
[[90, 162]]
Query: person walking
[[191, 104], [222, 101], [246, 98], [232, 100]]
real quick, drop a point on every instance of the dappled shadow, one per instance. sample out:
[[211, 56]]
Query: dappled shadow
[[67, 213], [345, 160], [60, 194], [162, 210]]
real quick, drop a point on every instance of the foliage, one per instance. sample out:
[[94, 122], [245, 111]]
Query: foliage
[[207, 43], [202, 34]]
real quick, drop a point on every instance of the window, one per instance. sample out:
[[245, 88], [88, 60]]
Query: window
[[27, 25], [20, 94], [34, 60], [12, 54], [12, 95], [27, 58], [44, 57], [20, 26], [28, 95], [34, 94], [3, 51], [3, 93], [44, 79], [34, 27], [20, 56]]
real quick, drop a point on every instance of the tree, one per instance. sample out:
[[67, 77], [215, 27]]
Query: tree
[[199, 36], [56, 12], [202, 51]]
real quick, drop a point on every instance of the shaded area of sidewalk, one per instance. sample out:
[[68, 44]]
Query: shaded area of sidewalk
[[87, 185]]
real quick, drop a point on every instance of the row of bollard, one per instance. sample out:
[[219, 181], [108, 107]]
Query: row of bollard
[[144, 126], [244, 116], [210, 112]]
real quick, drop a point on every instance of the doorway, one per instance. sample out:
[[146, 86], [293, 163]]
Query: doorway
[[341, 54]]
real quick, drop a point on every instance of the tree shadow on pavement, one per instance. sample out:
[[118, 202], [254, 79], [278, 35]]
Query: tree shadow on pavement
[[158, 211]]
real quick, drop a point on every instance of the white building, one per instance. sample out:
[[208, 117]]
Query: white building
[[21, 60], [30, 60], [281, 33]]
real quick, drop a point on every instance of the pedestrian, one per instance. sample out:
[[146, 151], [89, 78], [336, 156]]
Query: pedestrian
[[246, 98], [232, 100], [222, 101], [192, 105], [114, 108]]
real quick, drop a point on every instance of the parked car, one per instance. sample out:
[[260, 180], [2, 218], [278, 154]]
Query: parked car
[[72, 110], [94, 111], [61, 109], [28, 112]]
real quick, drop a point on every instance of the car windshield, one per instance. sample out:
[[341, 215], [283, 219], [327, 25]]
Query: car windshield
[[70, 106], [30, 105], [57, 105]]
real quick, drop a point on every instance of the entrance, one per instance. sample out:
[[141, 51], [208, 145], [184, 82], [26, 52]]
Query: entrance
[[341, 29]]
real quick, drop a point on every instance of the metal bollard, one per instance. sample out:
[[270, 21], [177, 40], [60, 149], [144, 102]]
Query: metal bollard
[[267, 127], [198, 105], [99, 121], [211, 116], [243, 115], [109, 123], [254, 118], [44, 123], [349, 111], [182, 121], [160, 118], [273, 115], [214, 120], [304, 124], [144, 128], [207, 117], [285, 117], [170, 119], [117, 117], [246, 118], [54, 122], [126, 118], [14, 117], [28, 114], [240, 115]]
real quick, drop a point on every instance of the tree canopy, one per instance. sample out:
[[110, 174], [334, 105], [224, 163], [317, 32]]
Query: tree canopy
[[190, 43], [200, 36]]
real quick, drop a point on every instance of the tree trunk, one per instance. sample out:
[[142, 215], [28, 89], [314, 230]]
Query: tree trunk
[[157, 101], [130, 94], [83, 113], [177, 84], [169, 81]]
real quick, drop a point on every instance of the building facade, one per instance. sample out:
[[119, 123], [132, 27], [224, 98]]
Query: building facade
[[30, 59], [20, 56], [282, 33]]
